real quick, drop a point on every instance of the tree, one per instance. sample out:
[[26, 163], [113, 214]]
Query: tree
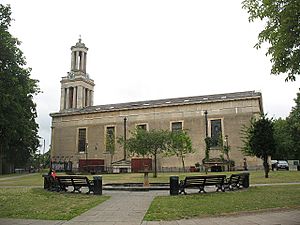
[[293, 122], [259, 141], [18, 129], [283, 139], [282, 32], [110, 144], [151, 142], [180, 145]]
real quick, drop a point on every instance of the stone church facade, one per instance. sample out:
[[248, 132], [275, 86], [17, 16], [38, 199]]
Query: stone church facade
[[80, 130]]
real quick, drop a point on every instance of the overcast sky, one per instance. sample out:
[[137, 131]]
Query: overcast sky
[[146, 50]]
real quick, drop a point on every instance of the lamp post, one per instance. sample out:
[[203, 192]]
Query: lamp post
[[206, 124], [226, 141], [226, 150], [86, 155], [125, 131]]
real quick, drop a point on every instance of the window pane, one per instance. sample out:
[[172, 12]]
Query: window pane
[[110, 139], [142, 126], [176, 126], [216, 131], [81, 140]]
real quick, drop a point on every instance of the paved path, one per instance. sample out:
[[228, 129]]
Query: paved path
[[123, 208]]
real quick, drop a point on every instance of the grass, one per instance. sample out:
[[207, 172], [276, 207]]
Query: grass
[[203, 205], [256, 177], [36, 203]]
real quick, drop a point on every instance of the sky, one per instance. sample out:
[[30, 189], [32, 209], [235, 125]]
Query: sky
[[146, 50]]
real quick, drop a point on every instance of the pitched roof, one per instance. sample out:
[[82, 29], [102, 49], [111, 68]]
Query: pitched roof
[[161, 103]]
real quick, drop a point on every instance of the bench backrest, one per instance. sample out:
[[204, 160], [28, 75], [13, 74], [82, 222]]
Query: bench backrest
[[73, 180], [238, 178], [204, 180]]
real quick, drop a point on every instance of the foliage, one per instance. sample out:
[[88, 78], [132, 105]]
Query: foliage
[[151, 143], [110, 144], [293, 122], [283, 139], [18, 129], [287, 134], [255, 198], [180, 145], [282, 32], [207, 147], [37, 203], [259, 140]]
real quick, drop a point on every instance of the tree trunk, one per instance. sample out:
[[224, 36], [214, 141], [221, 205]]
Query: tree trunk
[[228, 160], [155, 166], [266, 166], [182, 160]]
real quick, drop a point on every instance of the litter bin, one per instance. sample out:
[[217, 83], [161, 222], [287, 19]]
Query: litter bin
[[46, 181], [97, 185], [174, 185], [246, 182]]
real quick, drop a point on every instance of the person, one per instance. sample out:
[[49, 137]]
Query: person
[[245, 164], [52, 173]]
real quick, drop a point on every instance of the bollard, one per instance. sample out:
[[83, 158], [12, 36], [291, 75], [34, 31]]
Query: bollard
[[246, 182], [97, 185], [174, 185], [46, 181]]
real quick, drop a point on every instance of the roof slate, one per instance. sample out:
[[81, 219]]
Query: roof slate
[[161, 103]]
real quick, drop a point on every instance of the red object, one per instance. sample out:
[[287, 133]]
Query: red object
[[140, 164], [91, 164], [53, 174]]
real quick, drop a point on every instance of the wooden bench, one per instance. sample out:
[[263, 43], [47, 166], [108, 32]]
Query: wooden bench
[[202, 181], [237, 181], [77, 182]]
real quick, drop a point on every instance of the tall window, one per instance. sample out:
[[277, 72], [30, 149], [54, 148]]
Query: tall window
[[110, 139], [176, 126], [216, 132], [82, 139]]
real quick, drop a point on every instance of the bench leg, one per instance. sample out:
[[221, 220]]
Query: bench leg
[[202, 189]]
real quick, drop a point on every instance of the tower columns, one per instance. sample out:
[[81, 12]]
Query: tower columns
[[77, 87]]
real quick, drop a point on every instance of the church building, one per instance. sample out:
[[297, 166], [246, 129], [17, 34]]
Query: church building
[[82, 133]]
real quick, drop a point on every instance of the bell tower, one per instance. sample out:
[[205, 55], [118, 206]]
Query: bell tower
[[77, 89]]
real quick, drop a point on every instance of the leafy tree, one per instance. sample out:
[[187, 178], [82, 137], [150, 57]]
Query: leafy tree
[[259, 140], [293, 122], [18, 129], [282, 32], [110, 144], [151, 143], [180, 145], [283, 139]]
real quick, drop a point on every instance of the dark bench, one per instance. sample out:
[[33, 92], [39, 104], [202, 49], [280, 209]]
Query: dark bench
[[77, 182], [237, 181], [202, 181]]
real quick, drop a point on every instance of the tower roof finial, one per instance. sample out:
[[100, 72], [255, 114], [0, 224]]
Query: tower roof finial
[[79, 38]]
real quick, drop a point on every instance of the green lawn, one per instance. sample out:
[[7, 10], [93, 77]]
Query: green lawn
[[36, 203], [202, 205], [256, 177]]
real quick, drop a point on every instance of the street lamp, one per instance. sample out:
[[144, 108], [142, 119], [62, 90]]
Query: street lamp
[[86, 155], [125, 131], [226, 141], [206, 123]]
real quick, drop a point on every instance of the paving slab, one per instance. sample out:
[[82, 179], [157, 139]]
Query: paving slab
[[123, 208], [30, 222]]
